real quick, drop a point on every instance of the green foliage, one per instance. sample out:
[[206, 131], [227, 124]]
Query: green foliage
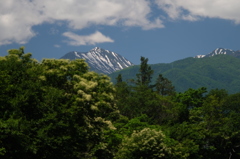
[[216, 123], [199, 124], [140, 98], [192, 98], [189, 136], [145, 73], [164, 86], [150, 143], [135, 124], [49, 109]]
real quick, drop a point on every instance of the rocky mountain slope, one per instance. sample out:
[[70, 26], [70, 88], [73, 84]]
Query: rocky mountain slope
[[100, 60]]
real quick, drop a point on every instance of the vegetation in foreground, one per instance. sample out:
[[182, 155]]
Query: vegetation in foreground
[[59, 109]]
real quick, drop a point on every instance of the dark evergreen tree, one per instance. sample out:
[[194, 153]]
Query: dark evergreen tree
[[145, 73], [123, 96], [164, 86], [119, 78]]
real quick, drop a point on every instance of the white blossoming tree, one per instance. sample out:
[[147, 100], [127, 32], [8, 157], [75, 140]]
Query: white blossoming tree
[[52, 109], [150, 143]]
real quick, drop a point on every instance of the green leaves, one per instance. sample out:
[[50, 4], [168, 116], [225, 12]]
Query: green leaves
[[52, 109], [150, 143], [164, 86]]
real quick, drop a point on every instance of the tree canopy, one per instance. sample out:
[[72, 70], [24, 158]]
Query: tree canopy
[[49, 109], [57, 108]]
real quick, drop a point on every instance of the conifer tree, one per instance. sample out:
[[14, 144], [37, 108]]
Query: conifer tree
[[119, 78], [145, 73], [164, 86]]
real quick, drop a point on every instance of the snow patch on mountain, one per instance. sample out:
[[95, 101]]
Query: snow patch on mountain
[[199, 56], [220, 51], [100, 60]]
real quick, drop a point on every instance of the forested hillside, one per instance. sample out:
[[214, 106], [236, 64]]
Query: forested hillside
[[60, 109], [220, 71]]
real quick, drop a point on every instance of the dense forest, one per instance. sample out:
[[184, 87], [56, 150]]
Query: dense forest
[[57, 108]]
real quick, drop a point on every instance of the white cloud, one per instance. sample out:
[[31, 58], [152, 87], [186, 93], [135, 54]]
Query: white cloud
[[92, 39], [16, 20], [17, 17], [193, 10]]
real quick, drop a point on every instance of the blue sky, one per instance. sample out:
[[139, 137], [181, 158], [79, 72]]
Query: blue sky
[[161, 30]]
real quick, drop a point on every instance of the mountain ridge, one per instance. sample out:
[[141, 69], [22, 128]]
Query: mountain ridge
[[220, 51], [217, 69], [221, 71], [100, 60]]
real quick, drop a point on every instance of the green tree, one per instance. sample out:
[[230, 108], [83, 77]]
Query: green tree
[[119, 79], [141, 96], [188, 100], [145, 73], [53, 109], [164, 86], [217, 122], [20, 100], [123, 96], [150, 143], [232, 108], [134, 100]]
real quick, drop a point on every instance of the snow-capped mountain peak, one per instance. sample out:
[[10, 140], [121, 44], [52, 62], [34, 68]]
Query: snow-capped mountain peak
[[97, 49], [220, 51], [101, 60]]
